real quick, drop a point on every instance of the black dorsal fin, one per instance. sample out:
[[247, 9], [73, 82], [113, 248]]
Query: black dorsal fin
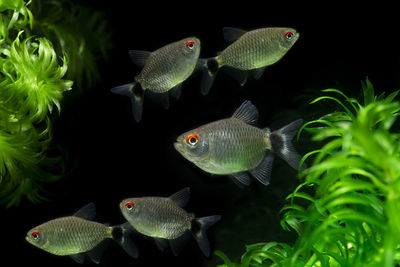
[[231, 34], [181, 197], [247, 112], [139, 57], [87, 212]]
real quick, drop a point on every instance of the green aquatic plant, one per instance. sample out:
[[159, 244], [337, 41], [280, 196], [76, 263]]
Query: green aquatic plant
[[79, 32], [346, 210], [37, 59]]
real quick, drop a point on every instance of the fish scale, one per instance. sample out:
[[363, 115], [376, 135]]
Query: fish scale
[[71, 235], [164, 219], [161, 217], [235, 145], [75, 235], [251, 51], [165, 68]]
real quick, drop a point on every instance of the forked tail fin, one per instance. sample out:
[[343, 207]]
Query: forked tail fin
[[281, 143], [199, 227], [135, 93], [122, 235]]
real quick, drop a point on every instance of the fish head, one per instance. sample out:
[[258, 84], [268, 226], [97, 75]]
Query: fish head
[[190, 48], [287, 37], [37, 236], [193, 145], [130, 208]]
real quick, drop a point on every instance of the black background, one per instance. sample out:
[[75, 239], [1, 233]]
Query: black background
[[117, 158]]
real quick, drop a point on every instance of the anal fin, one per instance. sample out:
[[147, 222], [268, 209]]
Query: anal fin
[[257, 73], [263, 171], [79, 258], [179, 243], [242, 177]]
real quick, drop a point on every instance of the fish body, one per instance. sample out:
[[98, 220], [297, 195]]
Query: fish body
[[169, 66], [258, 48], [164, 219], [250, 51], [160, 217], [234, 146], [78, 234], [69, 235], [163, 70]]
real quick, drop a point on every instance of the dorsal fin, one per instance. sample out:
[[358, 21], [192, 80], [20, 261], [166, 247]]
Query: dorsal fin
[[139, 57], [247, 112], [232, 34], [181, 197], [87, 212]]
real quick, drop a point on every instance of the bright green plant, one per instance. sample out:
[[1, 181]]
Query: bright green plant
[[35, 72], [346, 212]]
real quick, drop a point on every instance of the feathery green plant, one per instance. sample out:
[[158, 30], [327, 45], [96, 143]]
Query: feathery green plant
[[77, 31], [33, 71], [352, 217]]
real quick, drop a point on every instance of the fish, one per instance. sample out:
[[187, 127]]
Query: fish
[[163, 70], [165, 220], [250, 51], [237, 148], [78, 235]]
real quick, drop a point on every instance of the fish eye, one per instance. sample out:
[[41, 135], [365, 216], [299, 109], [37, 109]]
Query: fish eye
[[190, 44], [35, 235], [289, 35], [129, 205], [192, 139]]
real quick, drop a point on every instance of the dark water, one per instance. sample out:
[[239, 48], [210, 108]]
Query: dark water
[[118, 158]]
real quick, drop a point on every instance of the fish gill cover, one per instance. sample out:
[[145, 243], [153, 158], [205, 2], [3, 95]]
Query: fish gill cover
[[43, 49], [345, 212]]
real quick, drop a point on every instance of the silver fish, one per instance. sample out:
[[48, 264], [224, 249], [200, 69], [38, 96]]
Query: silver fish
[[78, 234], [250, 51], [164, 219], [163, 70], [234, 146]]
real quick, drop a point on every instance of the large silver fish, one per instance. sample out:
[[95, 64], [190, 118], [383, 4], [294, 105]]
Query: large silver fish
[[78, 234], [250, 51], [163, 70], [164, 219], [234, 146]]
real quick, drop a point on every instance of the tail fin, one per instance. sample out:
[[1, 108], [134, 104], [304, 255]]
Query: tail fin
[[199, 227], [281, 143], [209, 67], [135, 92], [121, 234]]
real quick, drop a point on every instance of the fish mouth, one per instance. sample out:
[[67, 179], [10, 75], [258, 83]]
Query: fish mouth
[[178, 147]]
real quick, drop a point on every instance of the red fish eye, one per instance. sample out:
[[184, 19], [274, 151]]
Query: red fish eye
[[192, 139], [35, 235], [190, 44], [289, 35], [129, 205]]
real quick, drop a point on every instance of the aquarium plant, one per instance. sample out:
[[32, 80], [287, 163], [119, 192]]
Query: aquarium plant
[[39, 59], [345, 211]]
